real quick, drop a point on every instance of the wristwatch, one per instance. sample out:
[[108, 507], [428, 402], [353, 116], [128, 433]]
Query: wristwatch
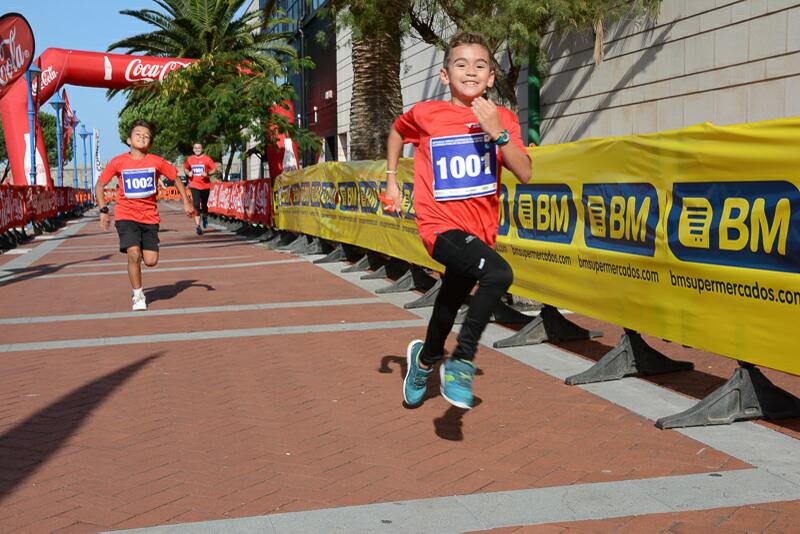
[[104, 209], [503, 138]]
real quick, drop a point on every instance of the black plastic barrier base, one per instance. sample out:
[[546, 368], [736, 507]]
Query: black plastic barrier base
[[299, 243], [502, 313], [631, 357], [280, 239], [370, 261], [337, 254], [747, 395], [550, 325], [414, 278], [393, 269], [426, 300]]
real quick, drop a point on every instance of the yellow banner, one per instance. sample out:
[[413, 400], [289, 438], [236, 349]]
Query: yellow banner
[[690, 235]]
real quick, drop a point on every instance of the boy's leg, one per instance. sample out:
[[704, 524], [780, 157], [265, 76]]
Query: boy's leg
[[196, 203], [494, 276], [452, 294], [150, 244], [471, 258], [204, 194], [135, 266]]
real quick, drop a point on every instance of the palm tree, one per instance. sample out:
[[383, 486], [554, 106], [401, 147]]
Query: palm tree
[[196, 28], [376, 50]]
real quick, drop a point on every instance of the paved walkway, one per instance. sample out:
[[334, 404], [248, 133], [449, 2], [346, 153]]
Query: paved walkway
[[261, 392]]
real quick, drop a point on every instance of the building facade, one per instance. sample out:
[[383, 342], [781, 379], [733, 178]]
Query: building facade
[[699, 61]]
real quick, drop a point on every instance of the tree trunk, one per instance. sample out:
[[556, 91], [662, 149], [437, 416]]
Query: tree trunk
[[227, 176], [377, 100]]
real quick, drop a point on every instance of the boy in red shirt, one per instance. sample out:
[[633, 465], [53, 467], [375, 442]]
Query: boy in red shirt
[[136, 213], [460, 147], [199, 166]]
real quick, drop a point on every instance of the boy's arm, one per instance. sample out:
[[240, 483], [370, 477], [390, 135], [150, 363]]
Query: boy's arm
[[514, 158], [99, 195], [394, 146], [187, 204], [517, 161]]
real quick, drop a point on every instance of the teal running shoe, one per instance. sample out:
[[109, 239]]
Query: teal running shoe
[[416, 382], [456, 378]]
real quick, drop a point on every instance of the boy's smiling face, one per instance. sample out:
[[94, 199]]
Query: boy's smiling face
[[140, 138], [468, 74]]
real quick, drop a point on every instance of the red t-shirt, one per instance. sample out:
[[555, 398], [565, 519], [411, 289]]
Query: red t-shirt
[[459, 187], [138, 186], [196, 166]]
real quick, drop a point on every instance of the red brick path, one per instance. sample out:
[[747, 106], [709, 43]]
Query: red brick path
[[140, 435]]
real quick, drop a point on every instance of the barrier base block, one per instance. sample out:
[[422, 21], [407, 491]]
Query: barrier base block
[[502, 313], [337, 254], [300, 242], [748, 394], [269, 234], [426, 300], [631, 357], [314, 246], [392, 269], [281, 239], [550, 325], [413, 278], [370, 261]]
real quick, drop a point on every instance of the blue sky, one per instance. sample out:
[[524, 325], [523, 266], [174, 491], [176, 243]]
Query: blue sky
[[84, 25]]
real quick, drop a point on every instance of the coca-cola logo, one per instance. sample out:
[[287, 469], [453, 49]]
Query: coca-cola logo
[[46, 77], [139, 71], [16, 48]]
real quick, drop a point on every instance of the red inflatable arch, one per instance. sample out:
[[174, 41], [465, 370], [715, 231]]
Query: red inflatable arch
[[75, 67]]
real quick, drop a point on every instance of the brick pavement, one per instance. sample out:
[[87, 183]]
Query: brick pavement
[[139, 435]]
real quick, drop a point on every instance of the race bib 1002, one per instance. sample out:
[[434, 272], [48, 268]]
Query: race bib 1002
[[139, 183], [198, 170], [464, 166]]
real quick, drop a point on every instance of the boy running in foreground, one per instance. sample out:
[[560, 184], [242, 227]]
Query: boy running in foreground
[[460, 147], [136, 214]]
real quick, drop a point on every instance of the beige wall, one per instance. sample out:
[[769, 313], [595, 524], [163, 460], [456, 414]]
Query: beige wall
[[725, 62]]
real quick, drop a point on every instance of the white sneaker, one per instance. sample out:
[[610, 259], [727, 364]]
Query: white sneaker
[[139, 303]]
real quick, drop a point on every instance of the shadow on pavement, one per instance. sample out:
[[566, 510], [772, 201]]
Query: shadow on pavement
[[27, 446], [170, 291], [36, 271]]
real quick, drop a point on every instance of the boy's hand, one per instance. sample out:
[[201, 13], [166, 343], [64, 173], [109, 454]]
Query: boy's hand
[[188, 208], [394, 196], [488, 116], [105, 221]]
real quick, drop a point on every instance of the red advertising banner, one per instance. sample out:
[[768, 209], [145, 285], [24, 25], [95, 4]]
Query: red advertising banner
[[249, 201], [16, 49], [20, 205]]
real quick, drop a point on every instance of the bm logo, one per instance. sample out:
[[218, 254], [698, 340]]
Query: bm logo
[[544, 212], [741, 224], [621, 217]]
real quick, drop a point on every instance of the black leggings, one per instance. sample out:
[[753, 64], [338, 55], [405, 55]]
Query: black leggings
[[200, 200], [467, 260]]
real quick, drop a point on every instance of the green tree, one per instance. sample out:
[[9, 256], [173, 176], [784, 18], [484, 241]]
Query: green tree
[[195, 28], [515, 29], [220, 104], [215, 100]]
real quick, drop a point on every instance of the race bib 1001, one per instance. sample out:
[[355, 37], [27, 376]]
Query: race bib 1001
[[198, 170], [464, 166], [139, 183]]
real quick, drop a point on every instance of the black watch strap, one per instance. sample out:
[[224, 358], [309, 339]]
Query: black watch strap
[[104, 209]]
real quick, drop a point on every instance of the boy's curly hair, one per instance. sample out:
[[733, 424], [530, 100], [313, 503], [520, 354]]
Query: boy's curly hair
[[141, 122], [465, 38]]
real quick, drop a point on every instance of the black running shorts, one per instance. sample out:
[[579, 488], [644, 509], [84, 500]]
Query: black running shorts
[[135, 234]]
